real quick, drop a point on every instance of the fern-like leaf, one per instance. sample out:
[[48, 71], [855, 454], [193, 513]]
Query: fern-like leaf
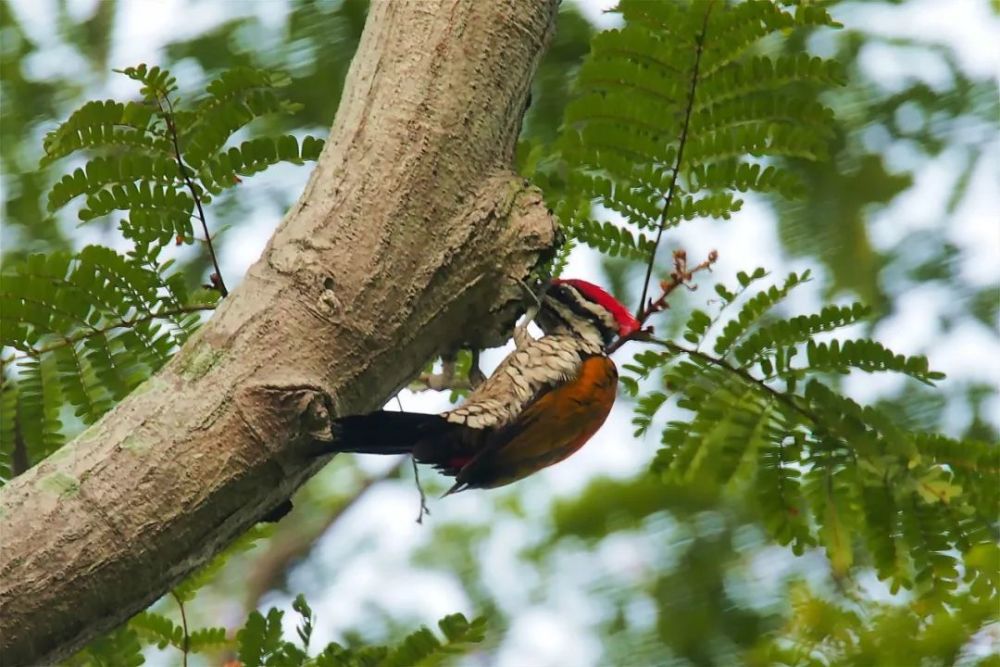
[[421, 646], [260, 638], [106, 124], [157, 629], [673, 119], [232, 101], [102, 172], [867, 355], [754, 309], [798, 329], [157, 83]]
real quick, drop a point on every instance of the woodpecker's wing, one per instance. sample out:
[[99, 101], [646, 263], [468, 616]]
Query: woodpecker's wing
[[556, 424], [520, 379]]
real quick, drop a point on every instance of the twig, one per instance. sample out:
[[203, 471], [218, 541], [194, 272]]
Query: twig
[[536, 298], [723, 364], [681, 275], [681, 143], [786, 399], [416, 474], [216, 278], [423, 497], [186, 647]]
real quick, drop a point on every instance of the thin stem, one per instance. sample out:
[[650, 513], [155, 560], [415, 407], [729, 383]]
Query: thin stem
[[295, 540], [217, 281], [423, 497], [416, 475], [184, 624], [721, 363], [682, 142], [681, 275]]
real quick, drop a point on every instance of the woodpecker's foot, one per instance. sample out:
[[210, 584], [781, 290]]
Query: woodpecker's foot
[[476, 375], [448, 378], [278, 513]]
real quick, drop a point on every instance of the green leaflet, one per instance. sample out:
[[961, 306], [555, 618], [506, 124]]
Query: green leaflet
[[260, 643], [106, 125], [251, 157]]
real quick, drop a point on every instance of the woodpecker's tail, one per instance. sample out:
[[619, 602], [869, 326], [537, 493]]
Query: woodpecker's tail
[[386, 432]]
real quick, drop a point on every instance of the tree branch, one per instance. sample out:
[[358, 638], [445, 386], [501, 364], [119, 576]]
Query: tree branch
[[408, 241], [781, 397], [680, 276]]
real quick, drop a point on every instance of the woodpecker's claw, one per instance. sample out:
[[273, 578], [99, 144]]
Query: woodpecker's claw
[[521, 336], [278, 513], [476, 375]]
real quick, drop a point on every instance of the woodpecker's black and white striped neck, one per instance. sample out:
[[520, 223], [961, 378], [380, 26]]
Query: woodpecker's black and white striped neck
[[565, 309]]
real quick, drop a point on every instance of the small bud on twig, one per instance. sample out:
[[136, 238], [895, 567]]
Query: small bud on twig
[[681, 275]]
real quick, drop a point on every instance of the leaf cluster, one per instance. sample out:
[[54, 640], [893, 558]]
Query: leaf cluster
[[882, 634], [80, 331], [261, 642], [158, 161], [678, 112], [764, 421]]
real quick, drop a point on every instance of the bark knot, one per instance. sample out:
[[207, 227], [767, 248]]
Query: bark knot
[[286, 416]]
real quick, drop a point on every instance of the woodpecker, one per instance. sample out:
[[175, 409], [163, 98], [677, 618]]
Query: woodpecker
[[543, 402]]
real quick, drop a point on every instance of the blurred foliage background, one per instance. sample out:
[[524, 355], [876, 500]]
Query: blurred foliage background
[[595, 563]]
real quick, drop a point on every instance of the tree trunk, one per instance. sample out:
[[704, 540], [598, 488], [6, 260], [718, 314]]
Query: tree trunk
[[406, 243]]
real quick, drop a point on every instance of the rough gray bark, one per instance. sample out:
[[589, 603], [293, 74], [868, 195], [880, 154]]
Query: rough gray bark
[[406, 242]]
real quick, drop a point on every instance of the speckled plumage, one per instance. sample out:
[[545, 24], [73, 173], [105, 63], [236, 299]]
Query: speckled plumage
[[522, 376]]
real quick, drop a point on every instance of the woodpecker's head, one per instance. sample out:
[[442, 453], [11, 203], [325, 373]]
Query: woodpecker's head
[[586, 310]]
